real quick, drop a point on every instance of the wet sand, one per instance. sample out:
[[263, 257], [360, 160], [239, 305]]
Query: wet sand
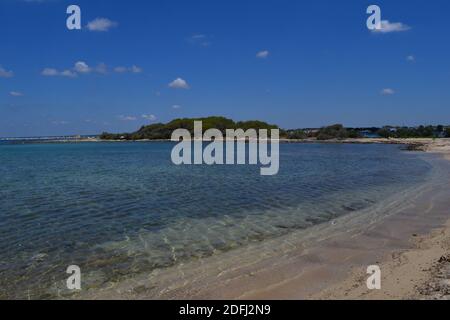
[[406, 236], [422, 272]]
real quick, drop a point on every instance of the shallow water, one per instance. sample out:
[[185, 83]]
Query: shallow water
[[119, 209]]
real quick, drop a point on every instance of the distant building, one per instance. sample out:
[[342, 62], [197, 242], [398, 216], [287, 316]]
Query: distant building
[[311, 131]]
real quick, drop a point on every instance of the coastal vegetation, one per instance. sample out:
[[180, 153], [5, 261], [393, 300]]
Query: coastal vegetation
[[163, 131], [416, 132], [337, 131]]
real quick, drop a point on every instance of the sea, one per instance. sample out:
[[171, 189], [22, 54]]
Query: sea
[[119, 209]]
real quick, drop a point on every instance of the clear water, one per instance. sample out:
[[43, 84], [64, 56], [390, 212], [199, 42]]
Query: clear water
[[119, 209]]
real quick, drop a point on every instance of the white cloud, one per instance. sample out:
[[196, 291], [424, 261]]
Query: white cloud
[[132, 69], [199, 40], [120, 69], [176, 106], [127, 118], [101, 25], [263, 54], [387, 92], [411, 58], [68, 74], [135, 69], [198, 36], [5, 73], [149, 117], [16, 94], [388, 27], [101, 68], [50, 72], [179, 84], [60, 122], [81, 67]]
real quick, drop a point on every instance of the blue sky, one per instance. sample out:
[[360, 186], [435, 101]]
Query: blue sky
[[293, 63]]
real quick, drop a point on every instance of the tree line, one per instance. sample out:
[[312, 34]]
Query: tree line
[[163, 131]]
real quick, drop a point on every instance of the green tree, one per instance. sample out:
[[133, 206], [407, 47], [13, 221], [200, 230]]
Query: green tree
[[161, 131], [447, 132], [336, 131], [295, 134]]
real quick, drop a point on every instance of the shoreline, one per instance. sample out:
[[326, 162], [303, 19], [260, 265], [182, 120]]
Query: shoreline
[[420, 273], [421, 144], [408, 236]]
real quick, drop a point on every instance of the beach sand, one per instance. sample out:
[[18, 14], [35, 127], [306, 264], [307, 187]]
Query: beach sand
[[408, 236], [419, 273], [422, 272]]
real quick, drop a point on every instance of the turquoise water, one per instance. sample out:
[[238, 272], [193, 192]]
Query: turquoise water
[[118, 209]]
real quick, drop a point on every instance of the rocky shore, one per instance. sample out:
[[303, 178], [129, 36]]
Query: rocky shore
[[438, 287]]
